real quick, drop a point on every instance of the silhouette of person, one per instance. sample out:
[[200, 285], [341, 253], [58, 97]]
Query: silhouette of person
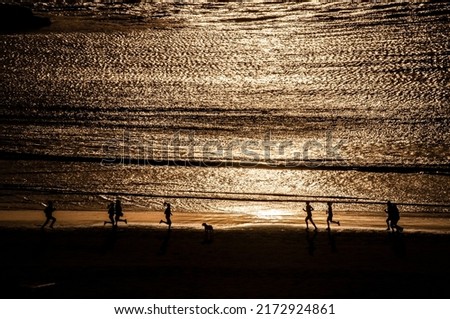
[[395, 217], [167, 213], [388, 211], [330, 216], [48, 210], [111, 213], [119, 213], [308, 211]]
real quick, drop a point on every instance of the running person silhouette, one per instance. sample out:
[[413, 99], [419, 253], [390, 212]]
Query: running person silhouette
[[167, 213], [48, 210], [111, 212], [390, 214], [308, 211], [395, 217], [330, 216], [119, 213]]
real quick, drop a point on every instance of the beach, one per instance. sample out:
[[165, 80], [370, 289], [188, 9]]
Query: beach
[[237, 114], [257, 261]]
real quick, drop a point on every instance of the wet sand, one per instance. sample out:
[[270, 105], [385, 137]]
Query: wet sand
[[241, 262], [350, 220]]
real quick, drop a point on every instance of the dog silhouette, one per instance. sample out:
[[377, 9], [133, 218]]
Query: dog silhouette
[[209, 231]]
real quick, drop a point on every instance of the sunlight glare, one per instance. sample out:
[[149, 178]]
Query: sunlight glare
[[272, 213]]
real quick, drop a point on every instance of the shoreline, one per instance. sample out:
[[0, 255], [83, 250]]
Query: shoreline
[[350, 221]]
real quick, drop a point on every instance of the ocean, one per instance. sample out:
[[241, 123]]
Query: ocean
[[228, 107]]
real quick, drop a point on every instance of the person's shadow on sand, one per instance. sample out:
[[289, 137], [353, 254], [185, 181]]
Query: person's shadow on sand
[[311, 242], [164, 244]]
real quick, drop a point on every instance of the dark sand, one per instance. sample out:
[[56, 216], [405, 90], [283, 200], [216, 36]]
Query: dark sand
[[258, 262]]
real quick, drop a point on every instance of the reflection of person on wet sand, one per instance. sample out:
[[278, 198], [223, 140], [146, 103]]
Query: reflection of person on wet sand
[[111, 212], [119, 213], [167, 213], [308, 211], [164, 244], [332, 242], [48, 210], [330, 216], [311, 240]]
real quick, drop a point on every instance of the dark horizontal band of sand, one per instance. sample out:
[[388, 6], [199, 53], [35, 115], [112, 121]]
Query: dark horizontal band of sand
[[256, 262]]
